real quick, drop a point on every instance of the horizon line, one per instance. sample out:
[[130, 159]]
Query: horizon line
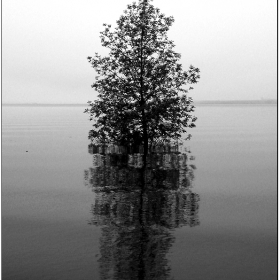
[[238, 101]]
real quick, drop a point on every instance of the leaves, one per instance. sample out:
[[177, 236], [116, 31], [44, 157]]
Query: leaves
[[140, 83]]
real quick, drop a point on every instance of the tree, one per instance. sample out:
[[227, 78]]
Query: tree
[[140, 83]]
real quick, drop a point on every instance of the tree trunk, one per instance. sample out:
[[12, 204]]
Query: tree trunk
[[145, 139], [143, 102]]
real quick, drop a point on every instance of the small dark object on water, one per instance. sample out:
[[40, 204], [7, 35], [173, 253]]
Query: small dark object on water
[[26, 151]]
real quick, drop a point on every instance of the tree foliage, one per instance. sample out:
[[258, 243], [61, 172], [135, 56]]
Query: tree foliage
[[140, 84]]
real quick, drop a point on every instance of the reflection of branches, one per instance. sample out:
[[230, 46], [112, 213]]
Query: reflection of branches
[[114, 167], [137, 215], [134, 253]]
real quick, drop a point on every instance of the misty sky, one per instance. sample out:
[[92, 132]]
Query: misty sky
[[45, 44]]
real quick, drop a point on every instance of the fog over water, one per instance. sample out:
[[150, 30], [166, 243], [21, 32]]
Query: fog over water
[[49, 209], [46, 43]]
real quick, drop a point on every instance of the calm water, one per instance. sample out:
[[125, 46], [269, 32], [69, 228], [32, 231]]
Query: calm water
[[54, 226]]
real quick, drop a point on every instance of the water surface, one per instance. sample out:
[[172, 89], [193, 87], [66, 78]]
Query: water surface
[[47, 210]]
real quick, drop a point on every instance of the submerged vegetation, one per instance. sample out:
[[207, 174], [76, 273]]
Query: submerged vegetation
[[140, 84]]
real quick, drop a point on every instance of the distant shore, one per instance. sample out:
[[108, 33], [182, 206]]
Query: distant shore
[[196, 102], [236, 102]]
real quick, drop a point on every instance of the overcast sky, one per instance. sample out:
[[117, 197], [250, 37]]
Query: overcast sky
[[45, 44]]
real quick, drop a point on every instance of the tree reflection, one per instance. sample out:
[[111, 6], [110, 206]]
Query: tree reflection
[[138, 208]]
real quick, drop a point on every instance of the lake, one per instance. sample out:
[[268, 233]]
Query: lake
[[55, 225]]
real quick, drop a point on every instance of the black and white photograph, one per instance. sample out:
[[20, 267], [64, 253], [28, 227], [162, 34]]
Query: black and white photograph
[[139, 140]]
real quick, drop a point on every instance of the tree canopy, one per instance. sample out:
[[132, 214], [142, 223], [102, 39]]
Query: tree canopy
[[141, 85]]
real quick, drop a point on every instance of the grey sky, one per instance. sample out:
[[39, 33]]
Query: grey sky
[[45, 44]]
